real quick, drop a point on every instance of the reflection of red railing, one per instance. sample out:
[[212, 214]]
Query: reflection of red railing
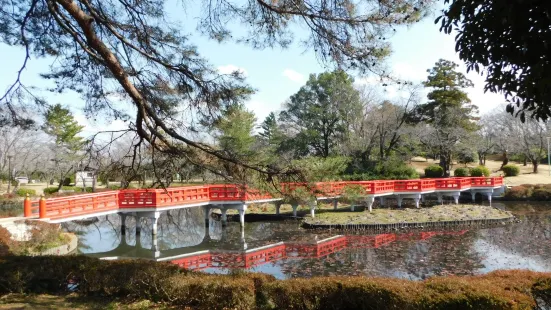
[[272, 253], [158, 198]]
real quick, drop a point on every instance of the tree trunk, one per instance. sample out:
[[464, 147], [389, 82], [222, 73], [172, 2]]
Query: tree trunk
[[505, 160], [480, 159], [525, 161], [445, 164], [535, 163]]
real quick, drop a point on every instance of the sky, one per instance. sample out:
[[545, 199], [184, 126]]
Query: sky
[[276, 74]]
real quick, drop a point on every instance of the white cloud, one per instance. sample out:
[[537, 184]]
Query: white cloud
[[408, 72], [229, 69], [294, 76]]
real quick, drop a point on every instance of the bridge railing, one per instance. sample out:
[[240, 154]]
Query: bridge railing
[[78, 204], [182, 195], [452, 183], [486, 181], [414, 185]]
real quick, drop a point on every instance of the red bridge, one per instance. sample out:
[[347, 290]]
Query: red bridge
[[228, 196]]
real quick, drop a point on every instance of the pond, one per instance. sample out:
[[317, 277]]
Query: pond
[[285, 250]]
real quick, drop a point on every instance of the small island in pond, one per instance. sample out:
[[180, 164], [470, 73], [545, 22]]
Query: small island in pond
[[385, 216]]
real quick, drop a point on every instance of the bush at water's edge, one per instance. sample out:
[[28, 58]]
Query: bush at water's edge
[[163, 282]]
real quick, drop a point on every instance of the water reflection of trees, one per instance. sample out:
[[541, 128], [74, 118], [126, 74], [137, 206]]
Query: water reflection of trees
[[415, 259], [529, 239]]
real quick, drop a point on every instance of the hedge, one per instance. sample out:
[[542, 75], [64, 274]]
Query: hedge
[[22, 192], [537, 192], [166, 283], [461, 172], [480, 171], [511, 170], [434, 171]]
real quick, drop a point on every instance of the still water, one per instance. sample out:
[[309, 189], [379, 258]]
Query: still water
[[285, 250]]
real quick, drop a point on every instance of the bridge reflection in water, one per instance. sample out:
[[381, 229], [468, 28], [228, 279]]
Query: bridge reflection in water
[[209, 254]]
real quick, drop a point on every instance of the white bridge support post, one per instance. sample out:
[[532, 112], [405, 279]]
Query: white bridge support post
[[369, 203], [455, 196], [381, 201], [294, 206], [277, 207], [155, 223], [224, 217], [352, 207], [399, 198], [242, 209], [206, 211], [335, 204], [423, 198], [489, 194], [138, 225], [473, 196], [417, 198], [123, 223], [313, 205], [439, 198]]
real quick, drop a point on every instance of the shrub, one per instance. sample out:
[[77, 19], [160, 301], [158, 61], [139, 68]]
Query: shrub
[[50, 190], [480, 171], [461, 172], [353, 193], [163, 282], [22, 192], [434, 171], [518, 192], [511, 170], [541, 194]]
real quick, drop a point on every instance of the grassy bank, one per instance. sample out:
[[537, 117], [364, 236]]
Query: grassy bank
[[437, 213], [165, 285]]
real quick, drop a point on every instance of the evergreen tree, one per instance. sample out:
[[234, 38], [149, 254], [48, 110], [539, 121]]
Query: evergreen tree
[[320, 111], [449, 111]]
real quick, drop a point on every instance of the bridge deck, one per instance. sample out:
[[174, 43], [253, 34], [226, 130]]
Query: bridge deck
[[140, 200]]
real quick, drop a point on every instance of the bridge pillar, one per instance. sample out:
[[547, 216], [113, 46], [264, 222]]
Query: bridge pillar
[[381, 201], [456, 197], [423, 198], [206, 210], [352, 207], [417, 200], [369, 202], [224, 217], [473, 196], [277, 206], [335, 204], [243, 238], [123, 223], [241, 211], [138, 225], [294, 206], [154, 225], [439, 197], [399, 198], [489, 195], [313, 205]]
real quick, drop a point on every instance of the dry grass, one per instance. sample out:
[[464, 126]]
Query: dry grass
[[407, 215], [525, 177], [70, 302]]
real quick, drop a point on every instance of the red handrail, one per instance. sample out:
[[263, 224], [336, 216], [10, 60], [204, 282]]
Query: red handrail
[[154, 198]]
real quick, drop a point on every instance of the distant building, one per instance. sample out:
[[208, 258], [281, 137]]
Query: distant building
[[85, 178]]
